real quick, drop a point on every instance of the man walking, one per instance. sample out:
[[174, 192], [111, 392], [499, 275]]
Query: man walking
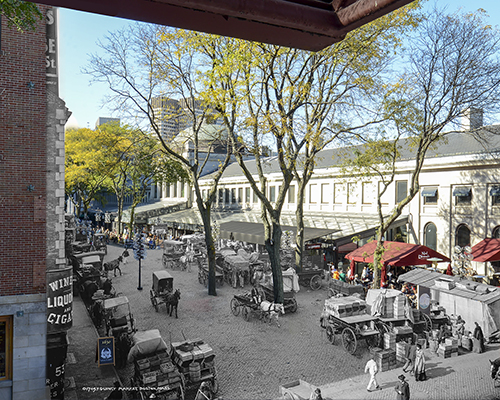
[[410, 354], [402, 389], [372, 368]]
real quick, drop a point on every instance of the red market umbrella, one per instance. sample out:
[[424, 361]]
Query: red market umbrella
[[396, 254], [486, 250]]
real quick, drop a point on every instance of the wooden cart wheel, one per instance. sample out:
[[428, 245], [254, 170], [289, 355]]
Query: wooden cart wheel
[[235, 307], [349, 340], [330, 334], [246, 313], [315, 282], [428, 322], [293, 305]]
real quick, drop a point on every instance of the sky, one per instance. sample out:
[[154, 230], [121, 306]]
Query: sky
[[79, 33]]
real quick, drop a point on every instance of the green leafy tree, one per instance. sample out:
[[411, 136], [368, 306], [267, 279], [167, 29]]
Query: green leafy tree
[[20, 14]]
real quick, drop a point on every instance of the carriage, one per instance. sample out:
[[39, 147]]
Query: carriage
[[235, 267], [118, 317], [247, 305], [311, 277], [337, 287], [347, 317], [290, 287], [173, 250], [163, 286], [203, 274]]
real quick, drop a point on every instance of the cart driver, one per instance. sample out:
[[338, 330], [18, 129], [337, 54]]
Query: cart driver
[[256, 298]]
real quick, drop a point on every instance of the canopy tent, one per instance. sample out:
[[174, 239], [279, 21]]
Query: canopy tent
[[396, 254], [486, 250], [473, 301], [251, 232]]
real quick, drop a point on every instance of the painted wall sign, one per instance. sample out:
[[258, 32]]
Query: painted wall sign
[[106, 351], [59, 299], [51, 52]]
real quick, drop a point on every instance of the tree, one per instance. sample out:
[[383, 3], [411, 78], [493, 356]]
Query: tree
[[453, 68], [147, 62], [85, 173], [20, 14]]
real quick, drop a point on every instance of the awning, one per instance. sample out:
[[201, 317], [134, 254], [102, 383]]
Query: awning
[[486, 250], [495, 191], [254, 232], [397, 254], [462, 191], [429, 192]]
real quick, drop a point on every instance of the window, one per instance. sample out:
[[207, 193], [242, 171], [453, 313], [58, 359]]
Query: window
[[313, 195], [182, 189], [175, 189], [291, 194], [247, 195], [255, 198], [430, 236], [226, 196], [496, 233], [495, 195], [221, 196], [462, 195], [430, 195], [401, 190], [168, 191], [385, 197], [240, 195], [351, 193], [338, 189], [325, 193], [368, 192], [272, 194], [233, 195], [5, 348], [462, 237]]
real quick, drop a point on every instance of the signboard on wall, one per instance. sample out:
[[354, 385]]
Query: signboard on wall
[[106, 351], [59, 299]]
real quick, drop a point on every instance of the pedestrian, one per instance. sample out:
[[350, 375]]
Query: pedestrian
[[460, 328], [419, 368], [342, 276], [117, 393], [316, 395], [478, 334], [410, 354], [336, 274], [372, 368], [402, 388]]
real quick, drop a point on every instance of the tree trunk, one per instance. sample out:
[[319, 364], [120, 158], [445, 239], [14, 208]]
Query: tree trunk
[[377, 258], [209, 240], [299, 216], [273, 245]]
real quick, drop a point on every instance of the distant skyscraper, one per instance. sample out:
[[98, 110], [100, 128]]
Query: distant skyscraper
[[104, 120]]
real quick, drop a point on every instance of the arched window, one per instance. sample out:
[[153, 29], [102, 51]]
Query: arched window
[[462, 236], [430, 236], [496, 233]]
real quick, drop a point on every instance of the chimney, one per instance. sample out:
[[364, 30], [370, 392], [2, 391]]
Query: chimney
[[472, 119]]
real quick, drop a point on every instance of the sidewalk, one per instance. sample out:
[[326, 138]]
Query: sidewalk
[[82, 371], [466, 377]]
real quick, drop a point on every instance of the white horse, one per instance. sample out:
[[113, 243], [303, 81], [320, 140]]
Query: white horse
[[272, 310]]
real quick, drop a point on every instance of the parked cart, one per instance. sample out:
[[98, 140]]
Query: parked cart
[[118, 317], [311, 277], [244, 303], [172, 252], [336, 287], [347, 317], [290, 287], [203, 275], [163, 286]]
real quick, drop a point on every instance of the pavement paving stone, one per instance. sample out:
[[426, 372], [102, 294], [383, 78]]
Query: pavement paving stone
[[254, 358]]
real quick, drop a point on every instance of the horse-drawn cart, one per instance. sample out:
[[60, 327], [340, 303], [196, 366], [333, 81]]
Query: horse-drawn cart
[[290, 287], [347, 316], [263, 309], [173, 250], [163, 285], [203, 275], [118, 317], [337, 287], [311, 277]]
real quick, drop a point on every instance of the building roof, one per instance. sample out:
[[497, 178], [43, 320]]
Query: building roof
[[460, 287], [454, 144]]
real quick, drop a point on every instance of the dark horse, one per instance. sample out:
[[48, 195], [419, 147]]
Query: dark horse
[[495, 366], [172, 301]]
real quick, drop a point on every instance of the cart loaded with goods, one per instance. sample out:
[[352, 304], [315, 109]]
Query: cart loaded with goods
[[170, 371]]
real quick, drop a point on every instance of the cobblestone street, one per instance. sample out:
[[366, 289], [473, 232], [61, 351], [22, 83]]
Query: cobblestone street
[[252, 358]]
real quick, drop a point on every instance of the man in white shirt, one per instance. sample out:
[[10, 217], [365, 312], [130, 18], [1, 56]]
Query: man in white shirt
[[372, 368]]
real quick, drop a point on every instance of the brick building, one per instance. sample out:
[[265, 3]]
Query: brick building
[[32, 258]]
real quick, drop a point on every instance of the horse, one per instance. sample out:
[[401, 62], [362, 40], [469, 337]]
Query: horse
[[495, 366], [172, 301], [273, 310], [113, 266]]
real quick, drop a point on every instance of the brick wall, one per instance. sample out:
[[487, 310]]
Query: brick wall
[[23, 161]]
